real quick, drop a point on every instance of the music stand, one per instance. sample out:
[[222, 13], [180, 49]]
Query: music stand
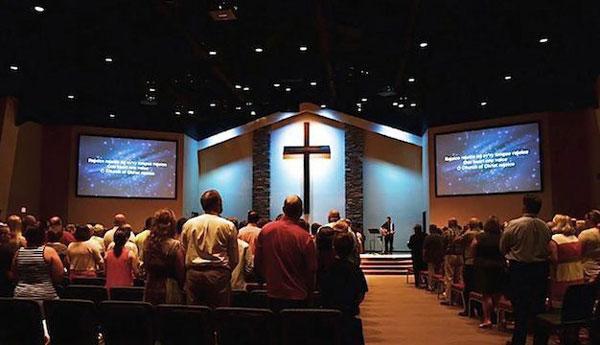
[[373, 239]]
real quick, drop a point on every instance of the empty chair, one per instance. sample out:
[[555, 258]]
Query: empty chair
[[311, 327], [245, 326], [184, 325], [95, 294], [20, 322], [89, 281], [127, 294], [127, 323], [72, 322]]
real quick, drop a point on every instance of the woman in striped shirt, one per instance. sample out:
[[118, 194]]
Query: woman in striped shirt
[[36, 267]]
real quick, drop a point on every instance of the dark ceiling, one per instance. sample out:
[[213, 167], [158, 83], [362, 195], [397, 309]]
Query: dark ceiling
[[355, 50]]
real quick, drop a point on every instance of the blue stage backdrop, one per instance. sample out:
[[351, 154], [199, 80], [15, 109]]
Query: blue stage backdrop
[[126, 167], [488, 161]]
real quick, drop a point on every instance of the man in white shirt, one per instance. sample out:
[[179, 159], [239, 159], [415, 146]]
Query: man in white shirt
[[211, 247], [119, 220]]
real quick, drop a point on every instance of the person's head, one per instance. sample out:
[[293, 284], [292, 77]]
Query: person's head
[[98, 230], [148, 223], [343, 245], [433, 229], [164, 227], [82, 232], [340, 225], [14, 223], [475, 223], [52, 236], [324, 239], [235, 222], [262, 222], [452, 223], [560, 221], [532, 204], [70, 228], [333, 216], [314, 228], [29, 220], [55, 224], [252, 217], [119, 219], [292, 207], [120, 238], [388, 219], [5, 234], [34, 235], [492, 225], [418, 228], [592, 218], [179, 227], [127, 228], [211, 202]]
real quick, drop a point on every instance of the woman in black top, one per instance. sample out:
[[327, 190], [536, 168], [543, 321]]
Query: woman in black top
[[415, 243], [489, 267]]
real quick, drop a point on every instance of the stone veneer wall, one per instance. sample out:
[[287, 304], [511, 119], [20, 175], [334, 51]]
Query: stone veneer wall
[[355, 150], [261, 171]]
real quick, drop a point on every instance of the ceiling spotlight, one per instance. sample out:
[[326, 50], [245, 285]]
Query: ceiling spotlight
[[303, 48], [288, 89], [253, 113], [39, 9], [212, 53], [544, 40], [238, 108], [70, 97], [313, 83], [507, 77], [423, 44], [483, 104], [411, 80], [359, 105], [246, 88], [363, 99], [112, 116], [191, 112], [177, 112], [413, 105], [238, 86], [401, 105], [14, 68], [258, 49], [276, 85], [323, 106], [108, 59], [395, 104], [359, 109], [212, 105], [151, 89]]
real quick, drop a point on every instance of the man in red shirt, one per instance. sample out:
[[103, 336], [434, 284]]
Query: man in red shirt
[[56, 225], [286, 258]]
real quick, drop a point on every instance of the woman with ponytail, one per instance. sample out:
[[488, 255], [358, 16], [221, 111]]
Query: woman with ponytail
[[164, 261], [121, 262]]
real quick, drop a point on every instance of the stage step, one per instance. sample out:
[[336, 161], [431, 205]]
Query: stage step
[[386, 264]]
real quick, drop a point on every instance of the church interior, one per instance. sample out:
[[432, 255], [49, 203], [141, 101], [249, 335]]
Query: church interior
[[299, 172]]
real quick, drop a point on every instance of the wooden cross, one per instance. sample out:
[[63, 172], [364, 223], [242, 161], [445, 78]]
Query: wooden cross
[[306, 151]]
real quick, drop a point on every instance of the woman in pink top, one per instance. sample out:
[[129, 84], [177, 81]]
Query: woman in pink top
[[121, 263]]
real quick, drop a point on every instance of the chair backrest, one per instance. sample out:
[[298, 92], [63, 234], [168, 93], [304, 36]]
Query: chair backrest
[[20, 322], [245, 326], [72, 321], [578, 303], [184, 325], [241, 299], [311, 327], [95, 294], [127, 323], [259, 299], [127, 294], [89, 281]]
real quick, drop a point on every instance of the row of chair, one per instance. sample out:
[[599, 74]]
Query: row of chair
[[81, 322]]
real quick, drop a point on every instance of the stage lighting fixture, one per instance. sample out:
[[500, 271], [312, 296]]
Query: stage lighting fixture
[[253, 113], [411, 80], [212, 53], [395, 104], [191, 112], [313, 83], [258, 49], [14, 68], [151, 89], [483, 104], [363, 99], [423, 44], [276, 85], [507, 77], [413, 105], [323, 106], [238, 86], [108, 59], [401, 105], [70, 96], [287, 89], [246, 88], [212, 105], [238, 108], [177, 112], [544, 40], [39, 9], [112, 116], [303, 48]]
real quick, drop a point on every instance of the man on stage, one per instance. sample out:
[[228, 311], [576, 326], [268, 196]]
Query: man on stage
[[387, 232]]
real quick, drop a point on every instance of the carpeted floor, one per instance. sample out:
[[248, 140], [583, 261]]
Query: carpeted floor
[[397, 313]]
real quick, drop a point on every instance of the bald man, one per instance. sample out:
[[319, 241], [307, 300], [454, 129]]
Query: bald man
[[211, 253], [56, 226], [118, 220], [286, 258]]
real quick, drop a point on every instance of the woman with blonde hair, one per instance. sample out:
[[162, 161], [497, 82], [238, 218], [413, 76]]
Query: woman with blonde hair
[[164, 261], [565, 256]]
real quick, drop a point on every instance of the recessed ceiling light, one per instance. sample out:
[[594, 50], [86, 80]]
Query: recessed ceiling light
[[212, 53], [253, 113], [543, 40], [238, 108], [303, 48], [70, 96], [401, 105], [411, 80], [177, 112], [359, 109], [507, 77], [246, 88], [413, 105], [108, 59], [363, 99], [151, 89], [323, 105], [276, 85], [112, 116], [395, 104], [191, 112], [14, 68], [248, 103], [313, 83], [483, 104], [423, 44], [212, 105], [288, 89], [39, 9], [359, 105], [238, 86], [258, 49]]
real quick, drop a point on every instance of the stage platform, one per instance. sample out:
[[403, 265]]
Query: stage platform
[[386, 264]]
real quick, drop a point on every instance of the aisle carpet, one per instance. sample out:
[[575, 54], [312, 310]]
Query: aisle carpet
[[395, 312]]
